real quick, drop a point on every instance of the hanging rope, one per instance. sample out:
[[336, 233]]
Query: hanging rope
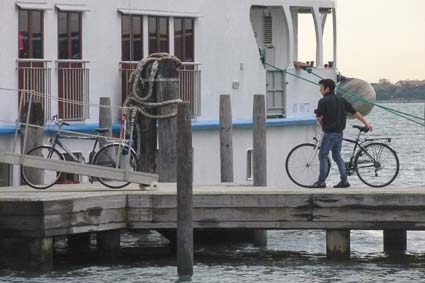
[[346, 92]]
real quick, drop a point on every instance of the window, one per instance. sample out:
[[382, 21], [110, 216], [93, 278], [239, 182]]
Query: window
[[158, 35], [69, 38], [30, 34], [132, 38], [249, 164], [268, 30], [184, 39]]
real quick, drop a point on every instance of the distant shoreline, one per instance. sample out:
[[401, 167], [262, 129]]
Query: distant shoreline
[[402, 101]]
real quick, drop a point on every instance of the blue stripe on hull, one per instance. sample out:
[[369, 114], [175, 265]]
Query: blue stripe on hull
[[196, 125]]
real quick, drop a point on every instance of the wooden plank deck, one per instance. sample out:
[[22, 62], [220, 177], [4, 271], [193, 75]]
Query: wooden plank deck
[[70, 209]]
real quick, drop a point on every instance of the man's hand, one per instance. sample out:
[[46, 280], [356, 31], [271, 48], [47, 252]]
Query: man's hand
[[369, 126], [360, 117]]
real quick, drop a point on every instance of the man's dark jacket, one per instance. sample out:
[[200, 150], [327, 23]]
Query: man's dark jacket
[[333, 110]]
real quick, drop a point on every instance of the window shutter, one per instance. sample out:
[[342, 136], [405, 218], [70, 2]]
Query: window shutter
[[268, 30]]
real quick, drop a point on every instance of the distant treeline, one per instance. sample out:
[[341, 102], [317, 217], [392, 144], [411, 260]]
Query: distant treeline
[[400, 91]]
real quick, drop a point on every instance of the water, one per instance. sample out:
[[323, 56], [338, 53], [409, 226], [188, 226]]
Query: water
[[291, 256]]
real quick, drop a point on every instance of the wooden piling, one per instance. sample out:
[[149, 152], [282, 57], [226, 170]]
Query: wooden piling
[[184, 191], [226, 143], [32, 136], [78, 242], [259, 155], [337, 243], [31, 254], [147, 128], [167, 89], [395, 241], [108, 243], [105, 115]]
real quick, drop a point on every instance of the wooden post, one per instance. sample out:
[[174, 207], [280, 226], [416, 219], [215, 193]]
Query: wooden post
[[34, 136], [32, 254], [338, 243], [259, 141], [167, 89], [105, 115], [184, 191], [226, 143], [259, 155], [395, 241], [78, 242], [108, 243], [146, 127]]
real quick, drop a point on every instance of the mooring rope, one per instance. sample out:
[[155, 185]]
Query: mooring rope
[[136, 81], [346, 92]]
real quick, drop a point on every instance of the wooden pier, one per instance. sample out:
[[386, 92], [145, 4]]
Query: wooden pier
[[30, 219]]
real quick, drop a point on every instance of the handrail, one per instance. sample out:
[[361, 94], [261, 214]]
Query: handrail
[[32, 60], [71, 61]]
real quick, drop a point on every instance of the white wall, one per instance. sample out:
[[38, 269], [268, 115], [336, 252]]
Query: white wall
[[224, 40], [280, 140], [8, 56]]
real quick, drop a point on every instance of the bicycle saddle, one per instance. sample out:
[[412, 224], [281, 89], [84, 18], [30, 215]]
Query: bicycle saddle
[[101, 130], [361, 129]]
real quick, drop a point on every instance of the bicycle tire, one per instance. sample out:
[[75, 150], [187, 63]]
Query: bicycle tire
[[385, 163], [107, 157], [299, 157], [48, 177]]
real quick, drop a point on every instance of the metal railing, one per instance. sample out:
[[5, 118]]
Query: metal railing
[[34, 77], [190, 86], [189, 83], [73, 89]]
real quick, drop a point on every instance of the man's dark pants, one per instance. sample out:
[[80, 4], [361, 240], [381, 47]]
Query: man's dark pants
[[331, 142]]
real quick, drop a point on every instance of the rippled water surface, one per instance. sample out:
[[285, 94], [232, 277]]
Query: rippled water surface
[[291, 256]]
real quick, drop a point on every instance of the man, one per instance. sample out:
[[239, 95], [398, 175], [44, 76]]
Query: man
[[331, 114]]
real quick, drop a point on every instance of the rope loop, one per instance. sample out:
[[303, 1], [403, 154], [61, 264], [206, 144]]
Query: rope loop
[[138, 84]]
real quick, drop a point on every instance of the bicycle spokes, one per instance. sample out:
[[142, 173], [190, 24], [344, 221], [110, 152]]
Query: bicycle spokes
[[377, 165]]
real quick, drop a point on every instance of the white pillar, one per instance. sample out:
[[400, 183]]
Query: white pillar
[[294, 17], [171, 34], [319, 36], [291, 34], [145, 36], [335, 36]]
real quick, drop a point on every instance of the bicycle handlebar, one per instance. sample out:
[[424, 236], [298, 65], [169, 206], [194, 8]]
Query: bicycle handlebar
[[59, 122]]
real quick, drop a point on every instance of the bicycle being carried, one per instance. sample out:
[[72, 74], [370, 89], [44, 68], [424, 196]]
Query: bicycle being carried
[[373, 160], [117, 155]]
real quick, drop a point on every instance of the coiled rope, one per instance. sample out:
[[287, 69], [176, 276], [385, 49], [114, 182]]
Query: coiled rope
[[136, 81]]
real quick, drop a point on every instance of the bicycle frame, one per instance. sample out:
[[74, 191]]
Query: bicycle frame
[[358, 146], [57, 142]]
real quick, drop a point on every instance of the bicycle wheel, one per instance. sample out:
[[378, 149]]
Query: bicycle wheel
[[42, 178], [115, 156], [302, 165], [377, 165]]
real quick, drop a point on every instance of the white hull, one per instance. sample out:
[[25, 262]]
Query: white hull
[[227, 37]]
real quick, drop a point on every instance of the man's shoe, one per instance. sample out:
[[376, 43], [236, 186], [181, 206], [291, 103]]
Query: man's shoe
[[342, 184], [319, 185]]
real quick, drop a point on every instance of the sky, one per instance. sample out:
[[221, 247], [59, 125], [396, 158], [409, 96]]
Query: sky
[[381, 39]]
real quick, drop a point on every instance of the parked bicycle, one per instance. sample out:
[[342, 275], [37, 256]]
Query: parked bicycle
[[117, 155], [373, 160]]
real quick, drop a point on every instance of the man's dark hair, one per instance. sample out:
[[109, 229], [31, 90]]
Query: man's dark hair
[[328, 83]]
